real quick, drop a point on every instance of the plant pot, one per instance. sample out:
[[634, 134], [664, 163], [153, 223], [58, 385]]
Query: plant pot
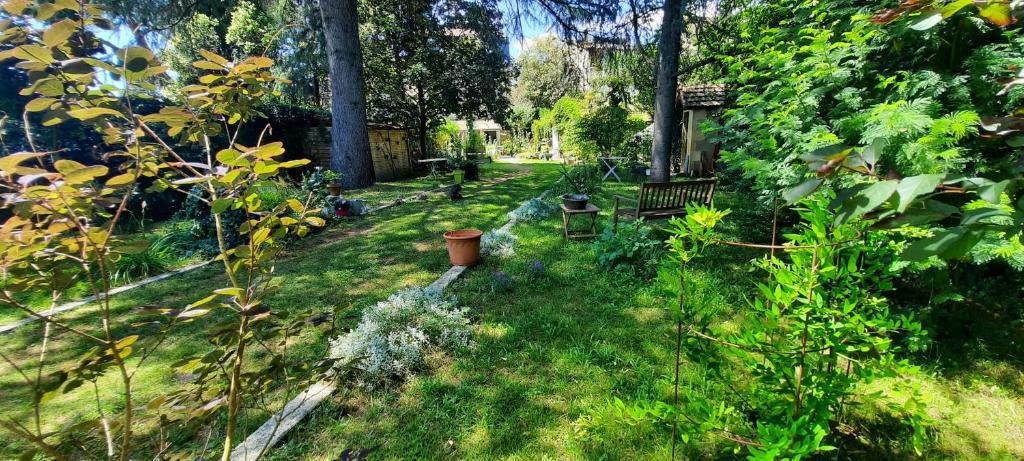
[[472, 171], [463, 246], [334, 189], [575, 201], [459, 176]]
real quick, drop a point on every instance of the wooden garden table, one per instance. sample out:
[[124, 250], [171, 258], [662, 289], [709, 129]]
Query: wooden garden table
[[567, 215]]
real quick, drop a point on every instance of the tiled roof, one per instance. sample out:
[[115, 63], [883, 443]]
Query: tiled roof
[[709, 95]]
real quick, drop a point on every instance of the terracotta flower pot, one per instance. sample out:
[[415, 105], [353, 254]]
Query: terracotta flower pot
[[334, 189], [464, 246]]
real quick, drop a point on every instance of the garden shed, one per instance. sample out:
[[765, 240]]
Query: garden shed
[[698, 103], [390, 147]]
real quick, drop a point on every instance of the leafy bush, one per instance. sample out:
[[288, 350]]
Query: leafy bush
[[633, 250], [394, 335], [500, 243], [157, 258], [820, 329], [316, 181], [601, 131], [534, 209], [204, 229], [474, 143]]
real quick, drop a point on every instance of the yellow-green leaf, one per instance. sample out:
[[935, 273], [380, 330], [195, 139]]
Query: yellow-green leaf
[[39, 104], [211, 56], [89, 113], [207, 65], [997, 12], [59, 32], [85, 174], [121, 180]]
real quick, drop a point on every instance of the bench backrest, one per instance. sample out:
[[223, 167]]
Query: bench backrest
[[675, 195]]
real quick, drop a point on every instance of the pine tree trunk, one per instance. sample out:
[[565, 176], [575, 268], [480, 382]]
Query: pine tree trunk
[[421, 116], [665, 94], [350, 141]]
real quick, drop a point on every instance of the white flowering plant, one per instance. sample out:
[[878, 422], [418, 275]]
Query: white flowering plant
[[391, 340], [534, 209], [500, 243]]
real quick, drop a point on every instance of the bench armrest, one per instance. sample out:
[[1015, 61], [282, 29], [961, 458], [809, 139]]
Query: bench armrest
[[626, 199]]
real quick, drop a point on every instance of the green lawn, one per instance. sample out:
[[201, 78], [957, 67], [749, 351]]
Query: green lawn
[[348, 266], [553, 348]]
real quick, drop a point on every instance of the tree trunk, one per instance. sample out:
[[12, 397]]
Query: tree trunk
[[421, 116], [350, 141], [665, 94]]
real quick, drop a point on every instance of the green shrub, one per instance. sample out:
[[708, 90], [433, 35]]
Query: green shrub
[[474, 143], [161, 254], [633, 250]]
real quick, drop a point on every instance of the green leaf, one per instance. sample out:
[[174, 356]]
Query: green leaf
[[953, 8], [915, 186], [136, 61], [946, 244], [827, 153], [872, 152], [794, 194], [294, 163], [221, 205], [866, 200], [929, 19], [121, 180], [211, 56], [207, 65], [992, 192], [12, 163], [975, 216]]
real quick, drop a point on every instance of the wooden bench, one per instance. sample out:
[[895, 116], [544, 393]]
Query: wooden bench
[[662, 200]]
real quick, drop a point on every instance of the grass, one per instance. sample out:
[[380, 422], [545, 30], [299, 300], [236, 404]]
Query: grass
[[347, 267], [551, 349]]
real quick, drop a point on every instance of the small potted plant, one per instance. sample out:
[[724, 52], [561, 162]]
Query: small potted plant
[[463, 246], [580, 183], [322, 178], [333, 183], [459, 174]]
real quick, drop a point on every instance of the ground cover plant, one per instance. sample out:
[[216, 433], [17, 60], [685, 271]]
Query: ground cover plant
[[394, 336]]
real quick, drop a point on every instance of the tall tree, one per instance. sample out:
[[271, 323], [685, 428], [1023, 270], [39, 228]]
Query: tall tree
[[546, 73], [350, 142], [424, 60], [667, 86]]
